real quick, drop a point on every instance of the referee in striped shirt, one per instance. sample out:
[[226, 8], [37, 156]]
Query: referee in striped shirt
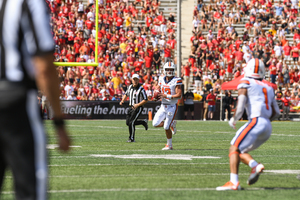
[[137, 99], [26, 63]]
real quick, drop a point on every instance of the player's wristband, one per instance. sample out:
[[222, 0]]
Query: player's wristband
[[169, 96], [58, 122]]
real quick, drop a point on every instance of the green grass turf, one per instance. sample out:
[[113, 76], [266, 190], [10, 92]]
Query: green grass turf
[[78, 175]]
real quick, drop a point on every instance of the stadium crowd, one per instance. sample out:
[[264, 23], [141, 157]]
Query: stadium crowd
[[121, 51], [219, 50], [135, 37]]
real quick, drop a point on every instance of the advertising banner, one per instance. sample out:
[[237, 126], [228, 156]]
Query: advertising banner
[[113, 110], [102, 109]]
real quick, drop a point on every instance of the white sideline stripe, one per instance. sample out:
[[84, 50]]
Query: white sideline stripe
[[220, 156], [287, 171], [53, 146], [142, 190], [151, 156], [138, 164], [139, 175], [285, 135], [157, 129], [266, 172], [123, 190], [151, 129]]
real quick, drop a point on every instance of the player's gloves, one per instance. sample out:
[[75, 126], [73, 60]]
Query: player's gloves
[[232, 123]]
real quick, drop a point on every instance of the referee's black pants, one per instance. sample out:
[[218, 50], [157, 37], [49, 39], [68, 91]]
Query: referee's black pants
[[228, 108], [132, 120], [23, 148]]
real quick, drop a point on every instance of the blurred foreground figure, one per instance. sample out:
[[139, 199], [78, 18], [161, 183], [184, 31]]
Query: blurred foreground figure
[[26, 57]]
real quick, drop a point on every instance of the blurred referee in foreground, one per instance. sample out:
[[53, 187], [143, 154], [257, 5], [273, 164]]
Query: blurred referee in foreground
[[26, 58], [137, 100]]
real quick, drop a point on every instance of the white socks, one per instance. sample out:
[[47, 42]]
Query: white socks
[[252, 163], [169, 142], [234, 178]]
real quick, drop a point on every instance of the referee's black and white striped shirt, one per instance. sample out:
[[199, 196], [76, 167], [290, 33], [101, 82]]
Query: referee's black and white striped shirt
[[136, 94], [25, 33]]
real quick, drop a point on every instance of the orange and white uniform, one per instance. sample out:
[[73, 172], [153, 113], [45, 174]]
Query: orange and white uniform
[[168, 108], [260, 98]]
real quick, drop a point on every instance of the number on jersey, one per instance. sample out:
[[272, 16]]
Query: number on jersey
[[266, 97], [166, 90]]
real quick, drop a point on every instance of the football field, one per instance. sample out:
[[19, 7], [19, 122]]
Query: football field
[[102, 165]]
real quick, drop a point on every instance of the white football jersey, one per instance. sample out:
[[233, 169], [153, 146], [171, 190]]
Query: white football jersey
[[169, 88], [259, 98]]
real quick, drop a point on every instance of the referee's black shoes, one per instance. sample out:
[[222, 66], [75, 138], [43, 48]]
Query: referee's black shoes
[[130, 140], [145, 124]]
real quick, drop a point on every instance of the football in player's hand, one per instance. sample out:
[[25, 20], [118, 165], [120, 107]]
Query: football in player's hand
[[156, 94]]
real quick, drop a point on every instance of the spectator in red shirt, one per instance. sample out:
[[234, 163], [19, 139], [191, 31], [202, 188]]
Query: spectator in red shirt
[[285, 107], [148, 22], [287, 51], [248, 27], [77, 47], [212, 66], [89, 24], [295, 53], [130, 59], [138, 64], [95, 89], [172, 42], [168, 53], [273, 72], [211, 100], [239, 55], [148, 61], [186, 75], [230, 63]]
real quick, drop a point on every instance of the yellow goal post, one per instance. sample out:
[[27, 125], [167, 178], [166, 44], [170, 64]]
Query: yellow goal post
[[95, 64]]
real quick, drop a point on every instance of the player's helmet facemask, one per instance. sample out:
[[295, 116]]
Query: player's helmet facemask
[[169, 69]]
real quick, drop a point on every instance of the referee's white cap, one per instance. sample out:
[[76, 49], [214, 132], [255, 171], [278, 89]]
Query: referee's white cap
[[135, 76]]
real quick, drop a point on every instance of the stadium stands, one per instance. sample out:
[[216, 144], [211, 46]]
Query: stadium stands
[[134, 37], [227, 34]]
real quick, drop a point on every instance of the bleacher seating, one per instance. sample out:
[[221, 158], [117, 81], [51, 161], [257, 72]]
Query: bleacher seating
[[132, 56], [262, 6]]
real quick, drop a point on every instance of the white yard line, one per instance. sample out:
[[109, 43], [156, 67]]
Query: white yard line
[[285, 135], [194, 131], [150, 129], [138, 175], [286, 171], [154, 164], [266, 172], [152, 156], [54, 146], [148, 189], [218, 156], [136, 164]]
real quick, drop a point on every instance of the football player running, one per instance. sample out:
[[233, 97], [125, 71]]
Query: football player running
[[259, 100], [170, 88]]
